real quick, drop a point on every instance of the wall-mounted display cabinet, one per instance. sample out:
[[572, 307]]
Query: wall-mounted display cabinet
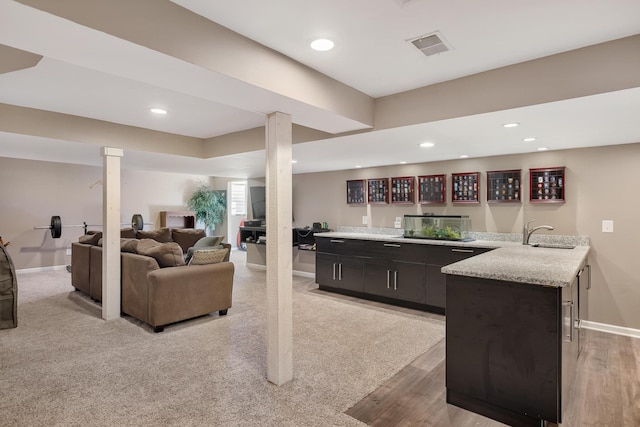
[[432, 189], [465, 187], [547, 185], [356, 192], [378, 190], [503, 186], [402, 190]]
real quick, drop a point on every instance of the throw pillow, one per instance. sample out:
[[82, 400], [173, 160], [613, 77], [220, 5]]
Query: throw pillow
[[208, 256], [90, 239], [191, 250], [205, 242], [129, 245], [208, 241], [166, 254], [162, 235]]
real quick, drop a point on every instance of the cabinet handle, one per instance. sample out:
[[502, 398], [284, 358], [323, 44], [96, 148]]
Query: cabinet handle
[[588, 276], [336, 241], [570, 305], [340, 271], [334, 271], [466, 251], [395, 280], [392, 245], [388, 276]]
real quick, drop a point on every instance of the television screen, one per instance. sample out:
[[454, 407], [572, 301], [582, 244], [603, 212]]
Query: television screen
[[258, 202]]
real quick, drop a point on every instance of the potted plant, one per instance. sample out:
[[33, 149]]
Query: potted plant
[[209, 206]]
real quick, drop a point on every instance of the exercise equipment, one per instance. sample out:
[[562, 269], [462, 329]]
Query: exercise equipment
[[137, 223]]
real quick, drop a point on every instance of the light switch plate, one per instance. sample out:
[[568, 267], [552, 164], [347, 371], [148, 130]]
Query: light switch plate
[[607, 226], [68, 251], [364, 219]]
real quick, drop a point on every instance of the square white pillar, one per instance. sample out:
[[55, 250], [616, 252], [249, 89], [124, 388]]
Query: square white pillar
[[279, 254], [111, 233]]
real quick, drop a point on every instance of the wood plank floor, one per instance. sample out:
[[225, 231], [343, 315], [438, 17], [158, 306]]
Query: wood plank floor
[[606, 392]]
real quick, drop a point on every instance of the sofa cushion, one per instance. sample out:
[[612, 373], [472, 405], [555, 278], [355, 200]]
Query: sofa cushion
[[162, 235], [90, 239], [186, 237], [129, 245], [127, 233], [209, 241], [166, 254], [208, 256]]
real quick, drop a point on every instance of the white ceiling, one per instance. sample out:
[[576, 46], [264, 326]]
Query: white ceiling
[[92, 74]]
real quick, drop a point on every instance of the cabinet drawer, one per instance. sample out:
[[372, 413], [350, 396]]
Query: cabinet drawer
[[396, 251], [340, 246], [445, 255]]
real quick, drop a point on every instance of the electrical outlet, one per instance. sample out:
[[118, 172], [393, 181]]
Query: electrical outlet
[[364, 219], [68, 251], [607, 226]]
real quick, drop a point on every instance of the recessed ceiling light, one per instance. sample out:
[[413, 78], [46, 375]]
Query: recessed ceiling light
[[158, 110], [322, 45], [464, 156], [358, 167], [426, 144], [543, 148], [294, 161], [403, 162], [529, 139], [510, 125]]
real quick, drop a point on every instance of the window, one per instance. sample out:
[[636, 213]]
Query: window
[[238, 198]]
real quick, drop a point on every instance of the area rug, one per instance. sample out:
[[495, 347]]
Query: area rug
[[65, 366]]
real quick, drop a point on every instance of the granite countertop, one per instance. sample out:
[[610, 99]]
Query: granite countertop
[[524, 264], [509, 261]]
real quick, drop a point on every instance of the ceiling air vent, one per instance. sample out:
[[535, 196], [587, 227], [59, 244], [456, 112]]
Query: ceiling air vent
[[430, 44]]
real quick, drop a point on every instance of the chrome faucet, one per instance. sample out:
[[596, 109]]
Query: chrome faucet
[[526, 233]]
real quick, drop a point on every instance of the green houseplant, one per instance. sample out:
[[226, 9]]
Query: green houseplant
[[209, 206]]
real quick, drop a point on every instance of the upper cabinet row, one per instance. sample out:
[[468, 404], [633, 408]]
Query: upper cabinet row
[[546, 185]]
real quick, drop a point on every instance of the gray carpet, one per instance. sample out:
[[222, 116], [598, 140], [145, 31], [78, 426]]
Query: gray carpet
[[64, 366]]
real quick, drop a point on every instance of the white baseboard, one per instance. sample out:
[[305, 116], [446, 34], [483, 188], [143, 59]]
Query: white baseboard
[[42, 269], [611, 329]]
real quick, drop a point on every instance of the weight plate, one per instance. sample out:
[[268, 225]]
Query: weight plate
[[56, 227], [137, 223]]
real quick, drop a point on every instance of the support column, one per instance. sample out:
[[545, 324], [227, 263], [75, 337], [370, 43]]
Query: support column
[[111, 233], [279, 253]]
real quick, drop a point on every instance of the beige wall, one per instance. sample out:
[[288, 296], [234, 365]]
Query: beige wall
[[600, 185], [32, 191]]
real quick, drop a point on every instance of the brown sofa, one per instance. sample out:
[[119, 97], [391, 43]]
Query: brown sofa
[[149, 292]]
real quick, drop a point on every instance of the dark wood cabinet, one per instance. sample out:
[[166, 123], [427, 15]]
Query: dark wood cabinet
[[393, 271], [438, 257], [340, 264], [512, 348], [398, 280]]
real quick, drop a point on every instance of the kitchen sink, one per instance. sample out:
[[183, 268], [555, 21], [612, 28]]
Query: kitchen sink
[[552, 246]]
